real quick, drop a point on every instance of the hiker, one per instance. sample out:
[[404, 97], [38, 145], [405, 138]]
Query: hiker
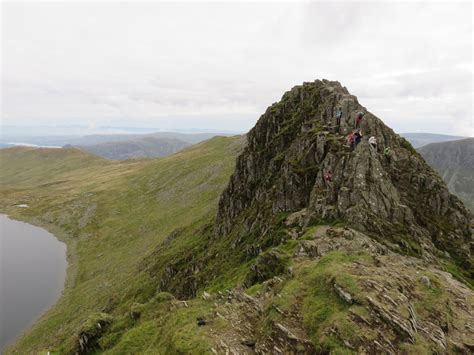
[[357, 137], [338, 116], [387, 154], [351, 140], [328, 176], [373, 142], [358, 120]]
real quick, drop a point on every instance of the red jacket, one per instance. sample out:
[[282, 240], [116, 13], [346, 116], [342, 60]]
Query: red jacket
[[350, 138]]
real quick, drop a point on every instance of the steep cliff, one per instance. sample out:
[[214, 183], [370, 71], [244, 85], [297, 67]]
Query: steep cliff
[[399, 200]]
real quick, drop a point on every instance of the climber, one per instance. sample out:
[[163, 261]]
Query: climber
[[350, 140], [358, 120], [373, 142], [357, 137], [387, 154], [338, 116], [328, 177]]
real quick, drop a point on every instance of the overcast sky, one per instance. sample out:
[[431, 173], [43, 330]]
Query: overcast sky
[[218, 66]]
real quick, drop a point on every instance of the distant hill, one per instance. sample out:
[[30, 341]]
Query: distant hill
[[147, 147], [420, 139], [105, 138], [30, 165], [119, 146], [454, 161]]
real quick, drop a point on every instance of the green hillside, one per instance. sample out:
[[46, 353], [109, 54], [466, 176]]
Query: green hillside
[[24, 166], [111, 215]]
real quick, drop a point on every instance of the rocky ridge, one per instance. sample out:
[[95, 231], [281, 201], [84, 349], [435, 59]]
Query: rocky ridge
[[401, 202]]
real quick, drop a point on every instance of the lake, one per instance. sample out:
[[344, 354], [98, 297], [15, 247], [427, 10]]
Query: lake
[[32, 273]]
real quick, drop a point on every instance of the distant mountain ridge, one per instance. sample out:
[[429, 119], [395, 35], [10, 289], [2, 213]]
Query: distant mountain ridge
[[420, 139], [107, 138], [454, 161], [147, 147], [120, 146], [191, 138]]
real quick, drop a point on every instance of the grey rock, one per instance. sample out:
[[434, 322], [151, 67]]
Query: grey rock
[[425, 281], [307, 248], [343, 294]]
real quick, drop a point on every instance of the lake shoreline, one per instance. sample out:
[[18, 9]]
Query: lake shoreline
[[16, 214]]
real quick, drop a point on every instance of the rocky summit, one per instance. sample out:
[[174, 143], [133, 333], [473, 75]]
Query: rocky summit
[[394, 197], [370, 230]]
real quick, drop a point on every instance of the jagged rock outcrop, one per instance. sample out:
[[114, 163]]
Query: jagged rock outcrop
[[400, 200]]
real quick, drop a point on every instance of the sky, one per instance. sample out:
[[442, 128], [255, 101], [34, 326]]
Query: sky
[[219, 65]]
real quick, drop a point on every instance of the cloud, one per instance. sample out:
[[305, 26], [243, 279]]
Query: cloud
[[220, 65]]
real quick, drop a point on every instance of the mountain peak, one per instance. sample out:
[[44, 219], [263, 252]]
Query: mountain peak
[[299, 166]]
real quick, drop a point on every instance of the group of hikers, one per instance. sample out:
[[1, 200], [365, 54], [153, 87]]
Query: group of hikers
[[354, 138]]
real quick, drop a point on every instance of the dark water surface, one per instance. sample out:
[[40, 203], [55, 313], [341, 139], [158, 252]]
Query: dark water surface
[[32, 273]]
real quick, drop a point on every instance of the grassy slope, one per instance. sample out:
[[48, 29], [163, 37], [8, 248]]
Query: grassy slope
[[111, 214], [29, 167]]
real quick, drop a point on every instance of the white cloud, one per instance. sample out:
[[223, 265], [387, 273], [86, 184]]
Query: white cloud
[[219, 66]]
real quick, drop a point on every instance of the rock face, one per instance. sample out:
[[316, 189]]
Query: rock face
[[399, 200]]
